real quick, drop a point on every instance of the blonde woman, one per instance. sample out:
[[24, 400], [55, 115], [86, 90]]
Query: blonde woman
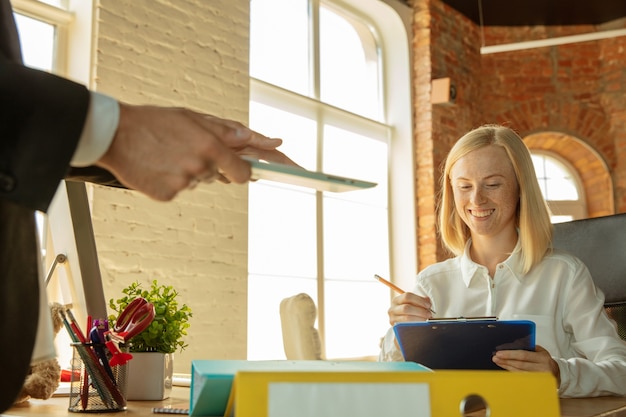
[[495, 221]]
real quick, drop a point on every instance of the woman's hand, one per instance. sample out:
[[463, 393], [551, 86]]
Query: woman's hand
[[409, 307], [524, 360]]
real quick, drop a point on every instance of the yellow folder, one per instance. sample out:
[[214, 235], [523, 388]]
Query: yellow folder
[[212, 380], [418, 394]]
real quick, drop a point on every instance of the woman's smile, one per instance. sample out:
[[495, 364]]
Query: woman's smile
[[481, 213]]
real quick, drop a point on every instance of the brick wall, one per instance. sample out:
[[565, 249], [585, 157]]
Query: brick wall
[[570, 98], [191, 53]]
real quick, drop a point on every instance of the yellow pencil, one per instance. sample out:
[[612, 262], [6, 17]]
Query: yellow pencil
[[394, 287], [389, 284]]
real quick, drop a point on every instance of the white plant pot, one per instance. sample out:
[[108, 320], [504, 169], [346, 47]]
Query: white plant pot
[[149, 376]]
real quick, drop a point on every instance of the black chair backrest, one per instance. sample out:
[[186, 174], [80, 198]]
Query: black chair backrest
[[600, 242]]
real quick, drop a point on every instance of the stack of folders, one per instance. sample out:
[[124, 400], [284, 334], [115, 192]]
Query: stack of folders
[[362, 388], [212, 380]]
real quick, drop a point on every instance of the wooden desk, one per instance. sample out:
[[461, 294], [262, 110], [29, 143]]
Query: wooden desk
[[57, 406], [593, 407]]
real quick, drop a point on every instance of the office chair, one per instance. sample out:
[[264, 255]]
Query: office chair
[[600, 243]]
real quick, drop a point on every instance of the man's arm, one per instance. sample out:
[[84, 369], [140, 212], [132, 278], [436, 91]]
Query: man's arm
[[40, 125]]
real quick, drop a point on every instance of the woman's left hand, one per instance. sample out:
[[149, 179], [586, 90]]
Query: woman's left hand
[[524, 360]]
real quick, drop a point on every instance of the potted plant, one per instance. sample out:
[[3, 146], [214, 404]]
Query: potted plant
[[149, 373]]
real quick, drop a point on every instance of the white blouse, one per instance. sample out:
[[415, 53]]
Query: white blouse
[[558, 295]]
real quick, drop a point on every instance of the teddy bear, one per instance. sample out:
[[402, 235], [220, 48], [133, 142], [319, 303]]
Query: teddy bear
[[43, 378]]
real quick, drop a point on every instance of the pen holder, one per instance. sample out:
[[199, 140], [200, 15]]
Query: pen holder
[[95, 385]]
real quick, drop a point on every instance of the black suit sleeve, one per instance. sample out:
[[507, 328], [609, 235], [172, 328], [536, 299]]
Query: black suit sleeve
[[41, 122]]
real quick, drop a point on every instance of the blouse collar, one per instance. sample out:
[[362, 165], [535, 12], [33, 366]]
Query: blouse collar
[[513, 263]]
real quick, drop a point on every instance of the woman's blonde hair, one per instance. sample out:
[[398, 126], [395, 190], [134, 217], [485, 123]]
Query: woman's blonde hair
[[533, 215]]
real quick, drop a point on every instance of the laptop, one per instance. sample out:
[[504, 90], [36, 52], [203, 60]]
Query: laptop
[[462, 343], [294, 175]]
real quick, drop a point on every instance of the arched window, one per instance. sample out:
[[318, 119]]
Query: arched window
[[560, 186], [333, 81]]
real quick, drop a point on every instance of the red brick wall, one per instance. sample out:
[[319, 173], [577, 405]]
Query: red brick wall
[[569, 99]]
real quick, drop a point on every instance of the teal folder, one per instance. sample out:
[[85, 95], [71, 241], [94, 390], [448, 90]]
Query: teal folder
[[211, 380]]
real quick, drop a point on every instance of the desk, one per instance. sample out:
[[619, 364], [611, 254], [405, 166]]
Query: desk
[[593, 407], [57, 406]]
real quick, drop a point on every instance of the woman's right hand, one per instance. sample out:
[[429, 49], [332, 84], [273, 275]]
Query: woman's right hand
[[409, 307]]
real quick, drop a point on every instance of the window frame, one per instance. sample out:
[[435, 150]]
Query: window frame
[[389, 21], [74, 40]]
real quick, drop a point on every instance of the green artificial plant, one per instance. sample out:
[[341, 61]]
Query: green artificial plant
[[170, 323]]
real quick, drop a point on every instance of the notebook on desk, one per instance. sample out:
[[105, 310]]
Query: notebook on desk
[[462, 343], [294, 175]]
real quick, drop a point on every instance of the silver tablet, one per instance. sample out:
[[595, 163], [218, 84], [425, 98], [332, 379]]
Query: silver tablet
[[294, 175]]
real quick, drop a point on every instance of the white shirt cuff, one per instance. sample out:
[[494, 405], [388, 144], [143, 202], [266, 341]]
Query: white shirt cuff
[[100, 127]]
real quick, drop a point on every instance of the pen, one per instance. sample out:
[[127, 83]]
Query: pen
[[394, 287], [166, 410], [96, 335], [84, 393]]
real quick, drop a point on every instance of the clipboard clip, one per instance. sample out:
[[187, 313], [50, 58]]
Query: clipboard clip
[[463, 319]]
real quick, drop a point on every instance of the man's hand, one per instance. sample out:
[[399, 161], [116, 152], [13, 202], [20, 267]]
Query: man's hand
[[162, 151]]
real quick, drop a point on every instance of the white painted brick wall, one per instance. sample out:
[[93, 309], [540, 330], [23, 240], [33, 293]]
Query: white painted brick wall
[[191, 53]]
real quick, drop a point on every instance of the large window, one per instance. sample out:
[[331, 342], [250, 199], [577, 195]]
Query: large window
[[319, 81], [560, 186]]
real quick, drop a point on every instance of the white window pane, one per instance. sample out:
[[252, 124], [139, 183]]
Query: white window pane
[[265, 338], [559, 185], [58, 3], [557, 180], [539, 166], [356, 239], [279, 52], [356, 156], [37, 40], [561, 219], [357, 318], [554, 169], [281, 231], [562, 189], [298, 133], [349, 65]]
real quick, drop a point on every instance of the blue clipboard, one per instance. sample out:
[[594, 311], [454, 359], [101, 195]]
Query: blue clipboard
[[462, 343]]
